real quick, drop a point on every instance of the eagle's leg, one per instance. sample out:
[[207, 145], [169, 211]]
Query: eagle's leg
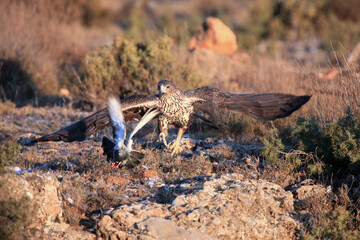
[[175, 145], [162, 136], [163, 132]]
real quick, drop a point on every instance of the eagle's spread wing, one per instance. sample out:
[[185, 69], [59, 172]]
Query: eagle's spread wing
[[132, 106], [268, 106]]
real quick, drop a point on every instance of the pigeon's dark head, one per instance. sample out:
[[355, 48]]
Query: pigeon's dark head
[[167, 87]]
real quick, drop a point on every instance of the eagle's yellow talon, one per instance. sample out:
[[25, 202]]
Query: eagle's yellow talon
[[175, 148], [163, 139]]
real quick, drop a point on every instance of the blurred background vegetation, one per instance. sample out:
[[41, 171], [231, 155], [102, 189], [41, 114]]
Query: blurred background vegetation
[[45, 45]]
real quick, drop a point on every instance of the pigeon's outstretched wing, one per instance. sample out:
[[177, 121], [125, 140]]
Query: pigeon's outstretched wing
[[268, 106], [150, 114], [132, 106], [136, 156], [116, 119]]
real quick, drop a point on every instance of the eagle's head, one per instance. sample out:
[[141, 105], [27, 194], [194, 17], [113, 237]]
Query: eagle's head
[[167, 87]]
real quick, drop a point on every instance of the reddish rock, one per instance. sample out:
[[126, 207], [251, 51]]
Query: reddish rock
[[117, 180], [329, 75], [214, 35], [149, 173], [64, 92]]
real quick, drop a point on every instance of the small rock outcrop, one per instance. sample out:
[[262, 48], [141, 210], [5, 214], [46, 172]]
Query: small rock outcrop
[[41, 193], [307, 191], [225, 207], [214, 35], [41, 189]]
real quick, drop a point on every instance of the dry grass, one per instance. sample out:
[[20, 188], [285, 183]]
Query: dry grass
[[37, 42], [170, 169], [38, 120], [330, 97], [38, 54]]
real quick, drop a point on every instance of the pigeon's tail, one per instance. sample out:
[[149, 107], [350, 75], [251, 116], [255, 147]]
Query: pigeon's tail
[[134, 159]]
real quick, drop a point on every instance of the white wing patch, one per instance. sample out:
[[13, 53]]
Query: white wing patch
[[117, 119], [149, 115]]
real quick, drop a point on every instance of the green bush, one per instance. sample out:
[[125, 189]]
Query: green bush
[[16, 214], [337, 143], [272, 146], [331, 150], [333, 224], [134, 68], [334, 22], [9, 149], [276, 154]]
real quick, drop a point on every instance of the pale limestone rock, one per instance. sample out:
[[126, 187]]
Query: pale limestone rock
[[160, 228], [42, 189], [225, 207]]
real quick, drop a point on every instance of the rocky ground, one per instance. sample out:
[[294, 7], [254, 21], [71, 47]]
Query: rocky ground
[[212, 190]]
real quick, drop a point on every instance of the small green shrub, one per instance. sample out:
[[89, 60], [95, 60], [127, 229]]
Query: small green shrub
[[272, 146], [333, 224], [332, 21], [275, 153], [319, 150], [316, 169], [337, 143], [16, 214], [9, 149], [134, 68]]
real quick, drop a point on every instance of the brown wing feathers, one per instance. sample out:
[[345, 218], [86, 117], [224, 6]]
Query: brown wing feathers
[[265, 107], [133, 106], [79, 130]]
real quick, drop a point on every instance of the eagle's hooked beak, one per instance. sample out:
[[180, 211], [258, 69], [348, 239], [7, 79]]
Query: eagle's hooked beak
[[161, 89]]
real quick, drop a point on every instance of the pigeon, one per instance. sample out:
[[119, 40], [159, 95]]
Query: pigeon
[[119, 150]]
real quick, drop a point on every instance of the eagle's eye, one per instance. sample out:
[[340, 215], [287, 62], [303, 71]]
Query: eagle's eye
[[168, 86]]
